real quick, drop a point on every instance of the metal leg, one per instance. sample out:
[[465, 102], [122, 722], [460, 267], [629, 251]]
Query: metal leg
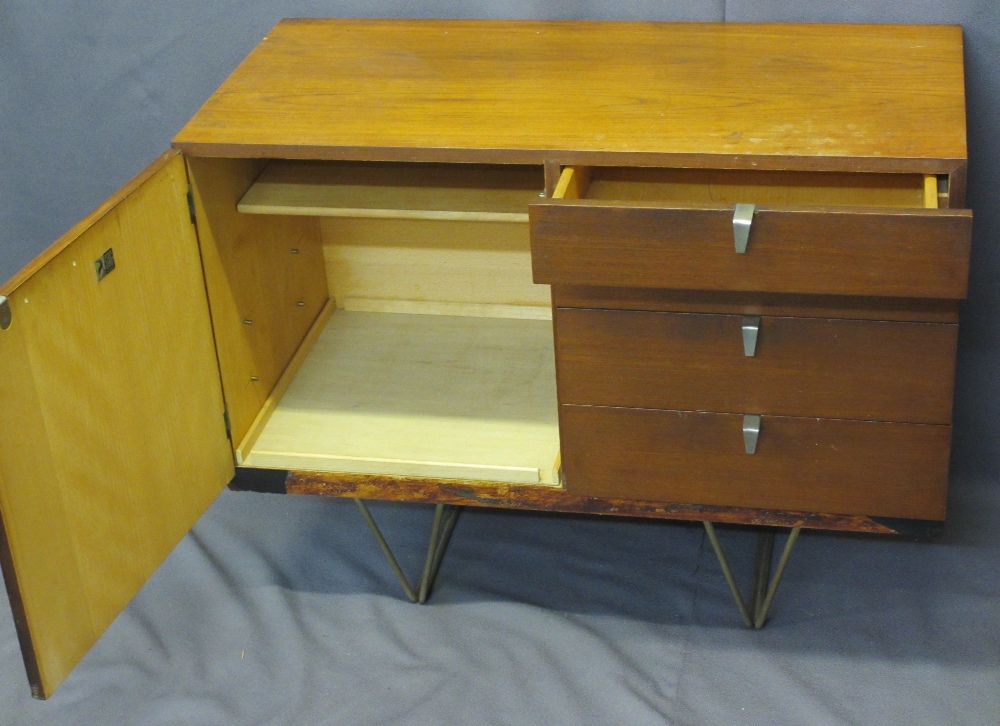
[[762, 592], [786, 553], [445, 516], [761, 570]]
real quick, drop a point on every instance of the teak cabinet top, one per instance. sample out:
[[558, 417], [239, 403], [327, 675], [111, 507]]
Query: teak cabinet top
[[825, 97]]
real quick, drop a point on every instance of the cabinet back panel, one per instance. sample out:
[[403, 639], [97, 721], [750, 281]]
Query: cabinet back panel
[[257, 270], [433, 266]]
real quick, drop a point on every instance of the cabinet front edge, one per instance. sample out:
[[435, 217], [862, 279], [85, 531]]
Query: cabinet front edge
[[565, 157]]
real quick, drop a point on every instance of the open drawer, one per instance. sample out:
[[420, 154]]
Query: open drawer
[[421, 346], [759, 231]]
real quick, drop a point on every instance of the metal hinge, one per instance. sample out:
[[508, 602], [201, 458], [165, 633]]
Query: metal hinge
[[190, 196], [5, 316]]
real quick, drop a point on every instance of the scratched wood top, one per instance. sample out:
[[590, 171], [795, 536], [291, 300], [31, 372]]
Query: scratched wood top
[[852, 97]]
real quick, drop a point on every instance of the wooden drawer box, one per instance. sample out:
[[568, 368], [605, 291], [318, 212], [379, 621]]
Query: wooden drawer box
[[805, 464], [653, 399], [838, 234], [857, 369]]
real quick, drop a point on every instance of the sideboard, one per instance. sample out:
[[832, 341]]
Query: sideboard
[[705, 272]]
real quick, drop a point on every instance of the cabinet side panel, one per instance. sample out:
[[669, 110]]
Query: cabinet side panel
[[266, 284], [111, 421]]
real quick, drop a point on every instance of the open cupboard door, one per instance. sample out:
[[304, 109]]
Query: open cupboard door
[[112, 432]]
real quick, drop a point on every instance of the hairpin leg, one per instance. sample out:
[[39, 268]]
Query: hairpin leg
[[762, 595], [445, 516]]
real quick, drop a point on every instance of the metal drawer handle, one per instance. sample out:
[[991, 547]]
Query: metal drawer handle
[[751, 327], [751, 432], [742, 219]]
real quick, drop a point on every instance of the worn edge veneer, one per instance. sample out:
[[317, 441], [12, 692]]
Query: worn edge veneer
[[547, 499]]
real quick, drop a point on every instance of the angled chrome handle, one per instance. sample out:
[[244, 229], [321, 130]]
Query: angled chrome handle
[[742, 219], [5, 316], [751, 432], [751, 327]]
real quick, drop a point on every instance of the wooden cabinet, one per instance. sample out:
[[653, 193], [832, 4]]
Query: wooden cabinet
[[499, 264]]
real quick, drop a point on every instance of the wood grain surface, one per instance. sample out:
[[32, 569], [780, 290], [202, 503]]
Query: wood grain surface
[[420, 395], [802, 464], [849, 97], [878, 371], [815, 250], [113, 440], [258, 268]]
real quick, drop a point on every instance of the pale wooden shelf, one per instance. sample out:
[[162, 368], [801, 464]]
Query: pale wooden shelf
[[463, 192], [420, 395]]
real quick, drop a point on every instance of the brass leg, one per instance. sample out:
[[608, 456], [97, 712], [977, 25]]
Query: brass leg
[[762, 592], [445, 516]]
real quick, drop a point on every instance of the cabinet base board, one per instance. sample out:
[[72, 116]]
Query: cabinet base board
[[551, 499]]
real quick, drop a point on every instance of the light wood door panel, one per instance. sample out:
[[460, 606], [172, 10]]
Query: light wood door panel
[[112, 437]]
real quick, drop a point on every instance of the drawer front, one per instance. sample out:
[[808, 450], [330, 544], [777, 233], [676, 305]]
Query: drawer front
[[800, 464], [814, 250], [853, 369]]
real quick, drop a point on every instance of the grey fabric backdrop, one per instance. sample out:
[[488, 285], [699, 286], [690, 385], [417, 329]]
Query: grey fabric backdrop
[[279, 610]]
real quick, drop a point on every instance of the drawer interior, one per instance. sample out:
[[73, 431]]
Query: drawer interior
[[723, 186], [429, 351]]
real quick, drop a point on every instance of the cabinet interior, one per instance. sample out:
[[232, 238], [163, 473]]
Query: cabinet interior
[[380, 318], [730, 186]]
